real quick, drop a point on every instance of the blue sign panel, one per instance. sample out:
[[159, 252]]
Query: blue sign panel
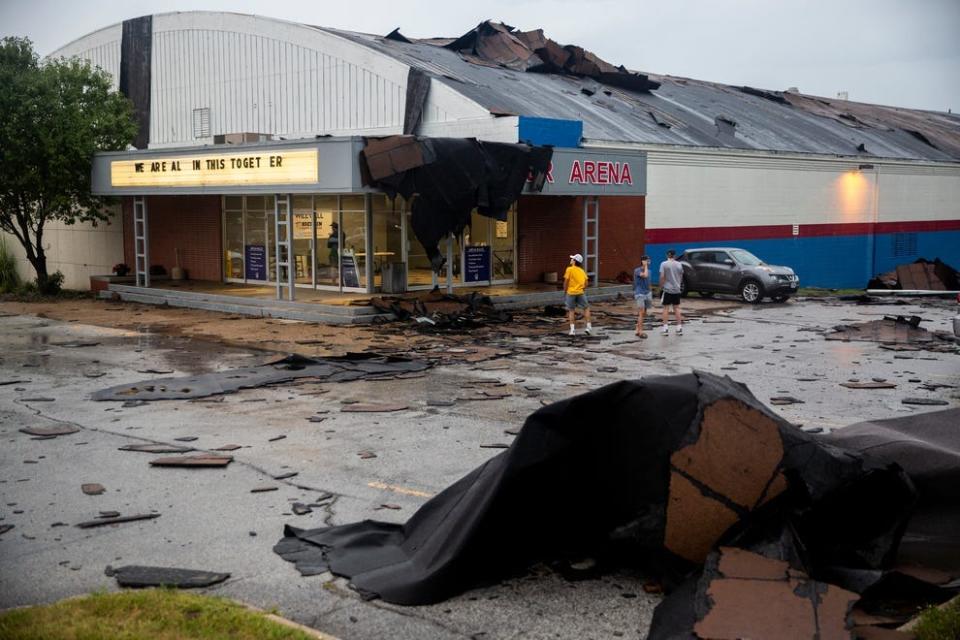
[[255, 261], [348, 270], [477, 260]]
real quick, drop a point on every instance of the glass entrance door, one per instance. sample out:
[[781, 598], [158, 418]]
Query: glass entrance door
[[455, 260], [420, 274], [304, 234], [329, 239]]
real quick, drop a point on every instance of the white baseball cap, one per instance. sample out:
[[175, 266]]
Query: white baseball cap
[[577, 257]]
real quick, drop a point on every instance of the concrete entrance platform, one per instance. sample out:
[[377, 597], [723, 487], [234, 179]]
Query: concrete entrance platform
[[327, 307]]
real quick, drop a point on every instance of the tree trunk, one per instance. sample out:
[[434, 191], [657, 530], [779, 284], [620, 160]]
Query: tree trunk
[[39, 262], [32, 246]]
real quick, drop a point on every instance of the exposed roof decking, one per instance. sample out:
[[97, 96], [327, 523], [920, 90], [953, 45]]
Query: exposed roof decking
[[797, 123]]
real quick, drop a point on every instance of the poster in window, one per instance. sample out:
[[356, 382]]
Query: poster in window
[[503, 229], [256, 262], [303, 226], [477, 260]]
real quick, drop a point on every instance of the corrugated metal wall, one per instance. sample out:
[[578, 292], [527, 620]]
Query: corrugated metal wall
[[101, 48], [255, 83], [256, 75]]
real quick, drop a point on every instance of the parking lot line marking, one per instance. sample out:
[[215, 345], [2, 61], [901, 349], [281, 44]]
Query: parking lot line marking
[[397, 489]]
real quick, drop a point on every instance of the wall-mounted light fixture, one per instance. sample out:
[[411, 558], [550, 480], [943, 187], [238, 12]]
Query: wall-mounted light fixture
[[865, 167]]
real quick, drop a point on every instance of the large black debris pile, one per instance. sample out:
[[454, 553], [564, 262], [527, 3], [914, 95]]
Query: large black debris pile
[[920, 275], [896, 333], [437, 311], [451, 177], [687, 477], [352, 366]]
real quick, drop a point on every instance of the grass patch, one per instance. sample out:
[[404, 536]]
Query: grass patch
[[29, 293], [817, 292], [939, 623], [9, 277], [157, 614]]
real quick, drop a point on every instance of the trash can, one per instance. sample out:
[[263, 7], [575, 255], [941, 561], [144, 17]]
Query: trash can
[[394, 277]]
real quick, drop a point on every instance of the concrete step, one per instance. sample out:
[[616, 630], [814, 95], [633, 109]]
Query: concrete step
[[170, 294], [543, 298], [261, 311]]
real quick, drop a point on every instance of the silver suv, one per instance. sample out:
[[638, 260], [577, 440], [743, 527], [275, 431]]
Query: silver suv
[[710, 270]]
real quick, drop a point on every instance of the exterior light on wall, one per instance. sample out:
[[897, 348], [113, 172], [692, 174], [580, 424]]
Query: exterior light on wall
[[865, 167]]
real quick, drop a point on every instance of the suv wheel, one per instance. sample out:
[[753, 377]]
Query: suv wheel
[[751, 291], [683, 288]]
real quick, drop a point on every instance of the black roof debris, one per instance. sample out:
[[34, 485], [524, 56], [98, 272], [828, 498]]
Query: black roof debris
[[684, 474], [352, 366]]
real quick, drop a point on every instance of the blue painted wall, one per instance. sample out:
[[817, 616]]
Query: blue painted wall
[[550, 131], [840, 262]]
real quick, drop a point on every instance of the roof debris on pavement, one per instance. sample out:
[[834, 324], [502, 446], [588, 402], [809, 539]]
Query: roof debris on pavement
[[727, 502]]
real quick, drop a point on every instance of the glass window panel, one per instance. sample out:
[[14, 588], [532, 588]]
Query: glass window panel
[[270, 218], [233, 203], [352, 203], [503, 254], [387, 234], [303, 239], [328, 240], [478, 235], [255, 203], [419, 271], [452, 249], [233, 245], [353, 244], [255, 245]]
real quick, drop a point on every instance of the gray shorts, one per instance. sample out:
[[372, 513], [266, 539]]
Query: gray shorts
[[644, 301], [578, 301]]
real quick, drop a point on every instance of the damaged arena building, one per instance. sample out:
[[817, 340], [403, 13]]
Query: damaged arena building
[[281, 155]]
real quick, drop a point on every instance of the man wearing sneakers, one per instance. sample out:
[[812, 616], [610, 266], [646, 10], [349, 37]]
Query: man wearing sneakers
[[574, 283], [671, 276]]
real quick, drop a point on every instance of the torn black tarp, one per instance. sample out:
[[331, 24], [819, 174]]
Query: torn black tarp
[[352, 366], [927, 446], [663, 471], [451, 177]]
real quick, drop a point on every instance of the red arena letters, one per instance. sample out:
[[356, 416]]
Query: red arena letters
[[600, 172]]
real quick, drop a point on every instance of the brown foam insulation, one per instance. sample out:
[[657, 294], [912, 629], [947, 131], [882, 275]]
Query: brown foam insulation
[[755, 598], [756, 609], [738, 563], [739, 450], [694, 521], [832, 612]]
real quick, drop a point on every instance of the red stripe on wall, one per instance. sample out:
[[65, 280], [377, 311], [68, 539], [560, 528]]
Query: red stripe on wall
[[761, 232]]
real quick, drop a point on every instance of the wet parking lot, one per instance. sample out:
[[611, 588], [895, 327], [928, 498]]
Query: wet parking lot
[[299, 443]]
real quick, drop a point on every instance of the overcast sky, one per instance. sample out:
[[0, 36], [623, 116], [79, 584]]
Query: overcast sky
[[896, 52]]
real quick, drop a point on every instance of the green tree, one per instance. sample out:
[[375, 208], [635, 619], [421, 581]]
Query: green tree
[[54, 115]]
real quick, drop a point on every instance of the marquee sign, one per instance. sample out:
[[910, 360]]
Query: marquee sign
[[274, 167]]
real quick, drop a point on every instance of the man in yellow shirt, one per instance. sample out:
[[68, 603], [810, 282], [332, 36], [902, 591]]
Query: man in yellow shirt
[[574, 283]]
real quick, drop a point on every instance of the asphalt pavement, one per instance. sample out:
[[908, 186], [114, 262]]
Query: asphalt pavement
[[209, 518]]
